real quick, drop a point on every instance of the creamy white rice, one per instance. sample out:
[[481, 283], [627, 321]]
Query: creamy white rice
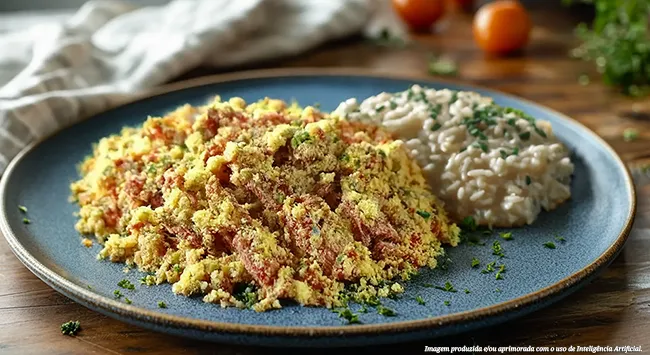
[[495, 164]]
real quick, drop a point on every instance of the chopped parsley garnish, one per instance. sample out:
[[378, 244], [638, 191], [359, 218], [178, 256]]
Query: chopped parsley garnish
[[447, 303], [127, 300], [630, 134], [467, 291], [26, 221], [347, 314], [118, 294], [497, 290], [22, 209], [363, 309], [148, 280], [524, 136], [528, 180], [70, 328], [549, 245], [560, 238], [89, 287], [162, 304], [475, 262], [380, 108], [497, 250], [448, 287], [385, 311], [428, 285], [481, 145], [424, 214], [436, 126], [126, 284], [488, 268], [393, 105], [506, 236], [468, 224], [498, 276], [246, 294], [299, 139], [419, 300]]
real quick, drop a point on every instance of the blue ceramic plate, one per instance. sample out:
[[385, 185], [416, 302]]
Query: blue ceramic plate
[[595, 224]]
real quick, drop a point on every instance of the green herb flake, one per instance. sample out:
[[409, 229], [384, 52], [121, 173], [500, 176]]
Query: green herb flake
[[481, 145], [380, 108], [424, 214], [447, 303], [503, 153], [524, 136], [466, 291], [126, 284], [498, 276], [560, 238], [549, 245], [393, 105], [448, 287], [148, 280], [363, 309], [436, 126], [299, 138], [127, 300], [630, 134], [177, 268], [26, 221], [246, 294], [419, 300], [162, 304], [385, 311], [497, 249], [349, 316], [475, 262], [488, 268], [528, 180], [22, 209], [70, 328], [89, 287], [118, 294], [443, 67], [506, 235], [468, 224], [428, 285], [497, 290]]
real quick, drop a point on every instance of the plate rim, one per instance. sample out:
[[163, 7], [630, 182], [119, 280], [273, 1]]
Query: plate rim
[[161, 319]]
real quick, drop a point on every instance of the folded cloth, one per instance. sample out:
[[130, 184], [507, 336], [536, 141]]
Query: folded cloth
[[57, 73]]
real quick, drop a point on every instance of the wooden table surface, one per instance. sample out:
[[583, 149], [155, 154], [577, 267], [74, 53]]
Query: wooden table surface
[[612, 310]]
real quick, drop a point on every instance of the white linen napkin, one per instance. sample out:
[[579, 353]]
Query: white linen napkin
[[61, 71]]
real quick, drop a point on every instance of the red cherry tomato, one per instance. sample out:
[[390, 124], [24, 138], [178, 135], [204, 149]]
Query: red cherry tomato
[[420, 15], [501, 27]]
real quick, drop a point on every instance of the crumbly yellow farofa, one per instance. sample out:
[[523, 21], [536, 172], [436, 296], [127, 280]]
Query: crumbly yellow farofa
[[282, 201]]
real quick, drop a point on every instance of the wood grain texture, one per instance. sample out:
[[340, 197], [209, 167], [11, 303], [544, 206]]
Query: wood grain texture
[[612, 310]]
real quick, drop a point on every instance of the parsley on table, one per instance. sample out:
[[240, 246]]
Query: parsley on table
[[162, 304], [618, 42], [630, 134], [70, 328]]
